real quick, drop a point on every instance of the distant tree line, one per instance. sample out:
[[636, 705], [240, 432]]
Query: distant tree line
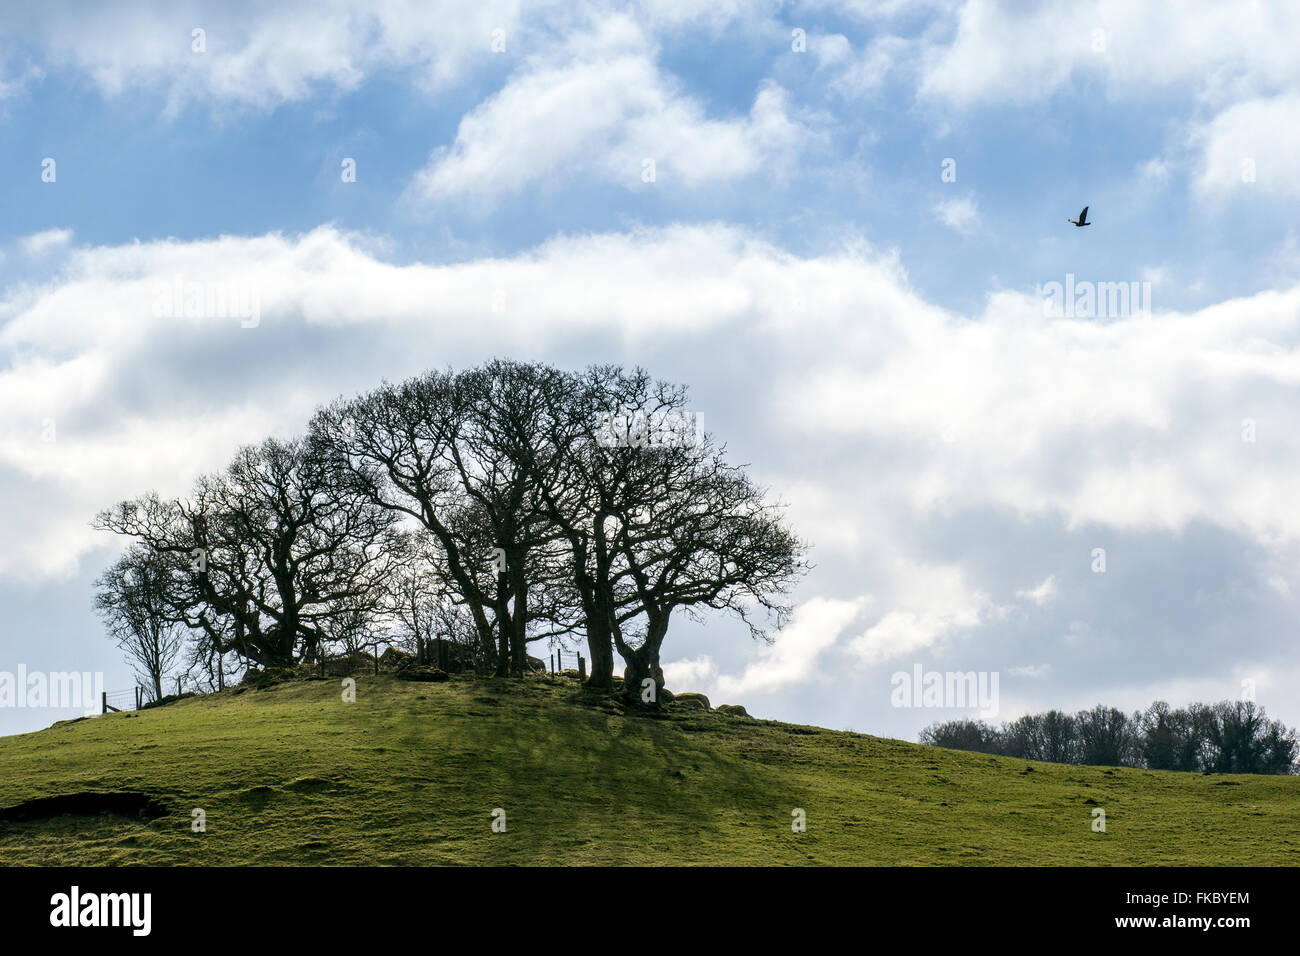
[[1227, 737], [492, 508]]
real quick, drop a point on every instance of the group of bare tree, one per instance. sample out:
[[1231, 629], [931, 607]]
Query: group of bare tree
[[1227, 737], [496, 507]]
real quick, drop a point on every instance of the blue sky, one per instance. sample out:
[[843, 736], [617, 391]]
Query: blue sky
[[869, 336]]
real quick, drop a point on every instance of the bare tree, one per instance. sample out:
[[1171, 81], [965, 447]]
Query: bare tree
[[501, 437], [1227, 737], [391, 445], [133, 601], [413, 601], [1107, 737], [205, 665], [269, 559], [705, 539], [585, 481], [656, 522], [455, 453], [525, 517]]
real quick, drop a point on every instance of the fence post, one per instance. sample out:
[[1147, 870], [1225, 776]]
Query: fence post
[[104, 701], [137, 696], [178, 685], [582, 669]]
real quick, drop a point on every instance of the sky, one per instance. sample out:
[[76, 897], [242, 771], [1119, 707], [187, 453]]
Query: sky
[[1061, 456]]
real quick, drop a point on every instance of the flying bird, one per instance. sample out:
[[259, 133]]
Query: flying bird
[[1082, 220]]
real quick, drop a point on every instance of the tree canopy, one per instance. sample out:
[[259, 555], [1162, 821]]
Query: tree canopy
[[510, 503]]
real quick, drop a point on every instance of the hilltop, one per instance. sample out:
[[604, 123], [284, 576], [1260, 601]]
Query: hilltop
[[411, 772]]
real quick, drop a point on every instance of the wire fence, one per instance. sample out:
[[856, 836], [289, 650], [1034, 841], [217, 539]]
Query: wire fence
[[566, 660], [118, 700], [132, 699]]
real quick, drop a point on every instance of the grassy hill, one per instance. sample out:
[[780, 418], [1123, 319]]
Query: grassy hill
[[411, 772]]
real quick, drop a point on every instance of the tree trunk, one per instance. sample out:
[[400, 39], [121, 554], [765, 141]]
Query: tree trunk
[[504, 631], [643, 664], [519, 624], [485, 655], [601, 650], [640, 668], [503, 652], [595, 607]]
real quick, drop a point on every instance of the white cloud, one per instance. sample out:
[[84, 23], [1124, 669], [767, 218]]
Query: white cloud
[[866, 73], [1127, 425], [1077, 422], [1154, 173], [928, 604], [42, 242], [1014, 52], [1250, 147], [1014, 391], [960, 214], [872, 11], [1042, 593], [601, 106], [689, 672], [830, 50], [793, 655], [1235, 63], [263, 55], [14, 83]]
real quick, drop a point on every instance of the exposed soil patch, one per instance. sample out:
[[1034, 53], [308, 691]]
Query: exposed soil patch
[[141, 806]]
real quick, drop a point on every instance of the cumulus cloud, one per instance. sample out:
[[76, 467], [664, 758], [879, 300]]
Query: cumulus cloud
[[1093, 422], [928, 603], [260, 56], [602, 106], [1130, 429], [581, 90], [792, 658], [1002, 51], [118, 376], [689, 672], [1233, 69], [1041, 414], [1250, 147], [953, 468]]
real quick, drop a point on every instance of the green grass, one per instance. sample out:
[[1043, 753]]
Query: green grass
[[410, 774]]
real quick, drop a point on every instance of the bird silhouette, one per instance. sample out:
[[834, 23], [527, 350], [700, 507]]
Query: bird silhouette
[[1082, 220]]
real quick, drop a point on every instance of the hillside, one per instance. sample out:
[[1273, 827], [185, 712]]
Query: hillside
[[411, 772]]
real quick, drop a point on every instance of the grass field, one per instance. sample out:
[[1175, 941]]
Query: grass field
[[411, 772]]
